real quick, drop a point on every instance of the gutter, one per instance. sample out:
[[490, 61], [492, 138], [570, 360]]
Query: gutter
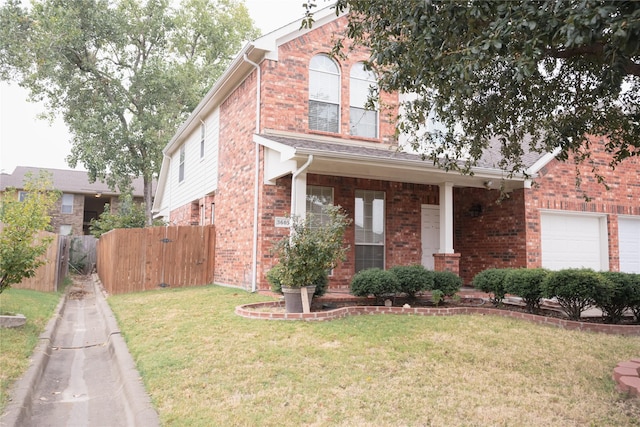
[[254, 255]]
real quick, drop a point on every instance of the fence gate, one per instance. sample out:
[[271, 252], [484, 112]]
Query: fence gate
[[82, 254], [131, 260]]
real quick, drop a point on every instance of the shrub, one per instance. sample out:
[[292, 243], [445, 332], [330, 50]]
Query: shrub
[[412, 279], [616, 301], [634, 296], [527, 284], [374, 281], [446, 282], [492, 281], [274, 277], [575, 289]]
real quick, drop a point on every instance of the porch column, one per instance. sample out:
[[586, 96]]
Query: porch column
[[299, 195], [446, 259]]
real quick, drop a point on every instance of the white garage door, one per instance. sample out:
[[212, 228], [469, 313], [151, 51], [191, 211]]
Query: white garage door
[[629, 241], [573, 241]]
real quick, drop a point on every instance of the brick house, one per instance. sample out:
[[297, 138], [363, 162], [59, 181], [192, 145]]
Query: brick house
[[286, 121], [81, 201]]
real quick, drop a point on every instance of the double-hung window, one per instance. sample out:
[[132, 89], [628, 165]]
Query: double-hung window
[[324, 94], [202, 134], [317, 198], [362, 121], [67, 203], [370, 225], [181, 167]]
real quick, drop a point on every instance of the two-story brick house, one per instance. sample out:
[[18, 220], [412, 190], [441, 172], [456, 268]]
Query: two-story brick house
[[287, 121], [80, 201]]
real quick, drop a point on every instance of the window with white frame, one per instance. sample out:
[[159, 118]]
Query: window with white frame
[[202, 133], [181, 167], [67, 203], [22, 196], [362, 122], [65, 229], [317, 198], [370, 224], [324, 94]]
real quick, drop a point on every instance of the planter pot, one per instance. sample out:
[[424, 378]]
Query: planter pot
[[12, 321], [293, 298]]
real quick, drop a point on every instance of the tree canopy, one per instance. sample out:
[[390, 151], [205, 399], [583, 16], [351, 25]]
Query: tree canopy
[[123, 74], [20, 220], [527, 75]]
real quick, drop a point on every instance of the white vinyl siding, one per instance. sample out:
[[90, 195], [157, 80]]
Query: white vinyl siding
[[201, 175], [574, 240], [629, 244]]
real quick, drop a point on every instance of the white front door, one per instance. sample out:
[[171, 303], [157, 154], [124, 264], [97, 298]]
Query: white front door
[[430, 232]]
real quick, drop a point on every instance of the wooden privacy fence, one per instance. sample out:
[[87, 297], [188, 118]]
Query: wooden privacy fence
[[49, 276], [140, 259]]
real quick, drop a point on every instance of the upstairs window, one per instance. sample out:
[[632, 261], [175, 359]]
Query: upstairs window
[[362, 122], [202, 133], [67, 203], [324, 94], [181, 168]]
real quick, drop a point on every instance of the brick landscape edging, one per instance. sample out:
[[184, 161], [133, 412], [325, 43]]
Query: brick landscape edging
[[251, 311], [627, 377]]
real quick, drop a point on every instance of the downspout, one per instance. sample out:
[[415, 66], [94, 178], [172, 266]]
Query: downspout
[[294, 199], [254, 260]]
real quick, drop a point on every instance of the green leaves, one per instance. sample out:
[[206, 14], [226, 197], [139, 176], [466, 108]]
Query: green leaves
[[541, 74], [123, 74], [20, 248]]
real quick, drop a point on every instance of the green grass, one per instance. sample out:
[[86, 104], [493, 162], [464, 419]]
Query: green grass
[[203, 366], [17, 344]]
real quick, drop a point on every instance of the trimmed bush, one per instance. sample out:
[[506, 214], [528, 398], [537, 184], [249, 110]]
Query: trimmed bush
[[492, 281], [446, 282], [615, 302], [634, 296], [575, 289], [527, 284], [374, 281], [412, 279], [274, 277]]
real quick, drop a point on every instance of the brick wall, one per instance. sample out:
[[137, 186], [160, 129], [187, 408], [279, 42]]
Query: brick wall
[[74, 219], [507, 233], [402, 216], [285, 85]]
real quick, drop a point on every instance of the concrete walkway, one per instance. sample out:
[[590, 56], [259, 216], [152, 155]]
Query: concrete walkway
[[82, 373]]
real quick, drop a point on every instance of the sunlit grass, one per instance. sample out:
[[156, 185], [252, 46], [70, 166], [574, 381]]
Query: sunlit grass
[[17, 344], [203, 366]]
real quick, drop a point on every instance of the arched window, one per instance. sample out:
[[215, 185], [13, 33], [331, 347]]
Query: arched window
[[362, 122], [324, 94]]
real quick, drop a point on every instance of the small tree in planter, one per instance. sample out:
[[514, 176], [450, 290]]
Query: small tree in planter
[[312, 249]]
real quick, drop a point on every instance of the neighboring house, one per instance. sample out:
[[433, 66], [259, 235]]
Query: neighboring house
[[80, 202], [286, 121]]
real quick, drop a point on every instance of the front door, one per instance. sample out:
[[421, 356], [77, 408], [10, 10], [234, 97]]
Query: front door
[[430, 229]]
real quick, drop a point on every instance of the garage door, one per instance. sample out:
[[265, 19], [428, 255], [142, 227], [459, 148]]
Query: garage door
[[629, 242], [573, 241]]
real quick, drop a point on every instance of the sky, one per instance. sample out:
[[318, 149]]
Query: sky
[[26, 140]]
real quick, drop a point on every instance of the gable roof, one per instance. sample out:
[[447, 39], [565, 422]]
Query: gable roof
[[66, 180]]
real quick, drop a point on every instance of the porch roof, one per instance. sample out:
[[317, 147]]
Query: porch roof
[[337, 157]]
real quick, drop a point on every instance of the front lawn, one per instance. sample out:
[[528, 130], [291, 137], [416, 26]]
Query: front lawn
[[204, 366], [16, 345]]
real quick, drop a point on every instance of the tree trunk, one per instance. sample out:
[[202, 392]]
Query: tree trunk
[[148, 199]]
